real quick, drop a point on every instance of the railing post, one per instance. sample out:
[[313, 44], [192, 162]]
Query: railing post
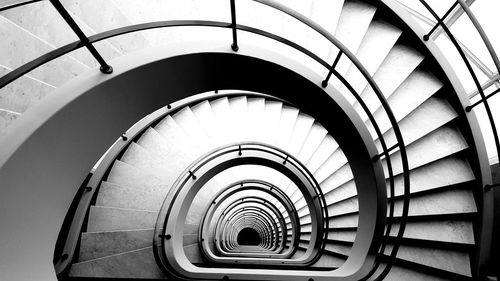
[[324, 83], [105, 68], [470, 107], [234, 45], [440, 21]]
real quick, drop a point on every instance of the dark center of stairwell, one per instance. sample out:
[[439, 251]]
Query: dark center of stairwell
[[248, 236]]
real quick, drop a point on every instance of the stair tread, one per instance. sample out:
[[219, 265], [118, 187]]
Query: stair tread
[[439, 144], [414, 91], [256, 109], [21, 94], [445, 172], [377, 43], [396, 69], [150, 163], [398, 273], [453, 231], [115, 219], [452, 261], [301, 130], [113, 195], [55, 73], [288, 119], [311, 144], [429, 116], [90, 13], [325, 149], [134, 264], [439, 202], [94, 245], [126, 175], [43, 21], [330, 166], [353, 23]]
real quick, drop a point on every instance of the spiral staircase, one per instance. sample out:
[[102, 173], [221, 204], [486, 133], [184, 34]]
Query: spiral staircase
[[178, 192]]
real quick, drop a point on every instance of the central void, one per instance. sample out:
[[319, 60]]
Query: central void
[[248, 237]]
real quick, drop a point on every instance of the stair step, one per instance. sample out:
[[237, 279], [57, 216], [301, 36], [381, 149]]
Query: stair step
[[44, 22], [445, 172], [205, 116], [312, 142], [439, 144], [339, 178], [21, 94], [429, 116], [113, 195], [16, 40], [453, 231], [398, 273], [344, 221], [134, 264], [94, 245], [303, 126], [395, 70], [345, 191], [126, 175], [190, 239], [190, 228], [287, 123], [330, 166], [114, 219], [441, 202], [256, 109], [348, 236], [222, 113], [414, 91], [325, 149], [326, 14], [376, 45], [155, 143], [186, 120], [193, 253], [272, 117], [239, 118], [353, 23], [346, 206], [448, 260], [182, 147], [299, 253], [90, 13]]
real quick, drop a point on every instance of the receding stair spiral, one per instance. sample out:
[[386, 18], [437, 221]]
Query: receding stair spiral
[[129, 199], [440, 238]]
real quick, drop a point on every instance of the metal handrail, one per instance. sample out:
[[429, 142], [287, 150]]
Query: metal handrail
[[88, 41], [491, 51], [210, 161], [62, 263], [278, 219], [242, 213], [272, 190], [277, 193]]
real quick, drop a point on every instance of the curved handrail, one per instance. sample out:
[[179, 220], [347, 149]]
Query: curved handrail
[[279, 220], [491, 51], [62, 263], [272, 190], [206, 161], [222, 225], [75, 45]]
